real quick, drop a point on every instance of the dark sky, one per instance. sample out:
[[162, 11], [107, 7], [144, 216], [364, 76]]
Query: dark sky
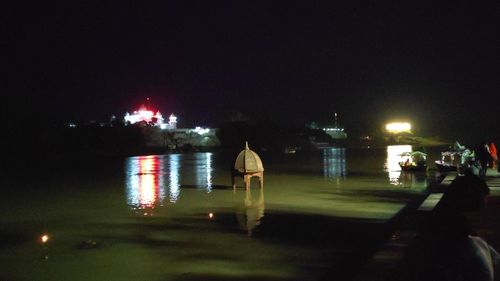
[[435, 63]]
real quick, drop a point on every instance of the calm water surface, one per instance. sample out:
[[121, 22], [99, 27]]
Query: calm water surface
[[176, 217]]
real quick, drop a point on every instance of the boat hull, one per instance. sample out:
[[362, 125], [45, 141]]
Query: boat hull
[[445, 167], [411, 168]]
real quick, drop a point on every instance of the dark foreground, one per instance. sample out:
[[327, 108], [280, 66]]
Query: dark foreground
[[392, 261]]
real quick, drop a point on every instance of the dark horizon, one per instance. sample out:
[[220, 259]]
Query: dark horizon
[[433, 64]]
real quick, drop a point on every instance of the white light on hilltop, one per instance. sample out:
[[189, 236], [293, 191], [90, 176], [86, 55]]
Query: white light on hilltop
[[398, 127]]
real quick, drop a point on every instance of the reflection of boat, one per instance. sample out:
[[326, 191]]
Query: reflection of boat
[[415, 161], [413, 180]]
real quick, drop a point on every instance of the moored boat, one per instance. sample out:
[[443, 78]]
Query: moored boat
[[415, 161], [448, 162]]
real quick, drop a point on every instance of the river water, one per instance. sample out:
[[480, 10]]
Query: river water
[[176, 216]]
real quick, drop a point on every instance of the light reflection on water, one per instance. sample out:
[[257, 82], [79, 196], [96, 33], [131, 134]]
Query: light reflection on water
[[396, 175], [391, 165], [297, 228], [413, 179], [204, 171], [150, 180], [149, 177], [334, 163], [145, 182], [173, 176], [250, 217]]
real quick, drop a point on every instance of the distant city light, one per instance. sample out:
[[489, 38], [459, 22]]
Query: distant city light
[[211, 215], [398, 127]]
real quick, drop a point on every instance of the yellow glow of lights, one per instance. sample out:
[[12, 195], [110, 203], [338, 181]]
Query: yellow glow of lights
[[147, 185], [398, 127], [44, 238], [211, 215], [392, 163]]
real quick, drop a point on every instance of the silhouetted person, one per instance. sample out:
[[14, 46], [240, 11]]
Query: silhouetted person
[[494, 155], [484, 157], [447, 249]]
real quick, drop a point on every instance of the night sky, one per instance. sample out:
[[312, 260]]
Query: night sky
[[435, 63]]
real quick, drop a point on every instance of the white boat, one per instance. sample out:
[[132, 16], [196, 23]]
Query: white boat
[[449, 162]]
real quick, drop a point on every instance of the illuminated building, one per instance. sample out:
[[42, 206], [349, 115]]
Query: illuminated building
[[159, 133], [144, 115], [172, 122], [148, 117]]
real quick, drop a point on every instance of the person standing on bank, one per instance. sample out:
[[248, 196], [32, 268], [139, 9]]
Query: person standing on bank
[[484, 157], [494, 156], [447, 248]]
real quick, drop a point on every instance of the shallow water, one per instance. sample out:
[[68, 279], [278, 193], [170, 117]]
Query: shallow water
[[176, 216]]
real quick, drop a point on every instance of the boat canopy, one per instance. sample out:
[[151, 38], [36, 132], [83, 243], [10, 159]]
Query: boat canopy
[[414, 153], [414, 157]]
